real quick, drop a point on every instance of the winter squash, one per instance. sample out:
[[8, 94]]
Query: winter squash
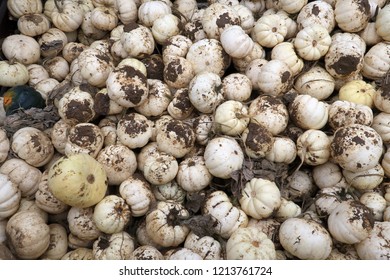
[[78, 180], [358, 91], [269, 30], [312, 42], [236, 42], [352, 16]]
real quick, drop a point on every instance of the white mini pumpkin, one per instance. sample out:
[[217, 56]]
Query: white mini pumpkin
[[250, 244], [350, 222], [223, 155], [260, 198], [305, 239]]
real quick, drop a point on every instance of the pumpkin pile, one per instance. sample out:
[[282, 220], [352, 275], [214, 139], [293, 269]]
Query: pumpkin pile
[[227, 129]]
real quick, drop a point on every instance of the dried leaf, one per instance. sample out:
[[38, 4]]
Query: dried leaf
[[41, 119], [201, 225]]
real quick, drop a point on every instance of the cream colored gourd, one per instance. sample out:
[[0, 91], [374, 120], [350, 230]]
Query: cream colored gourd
[[305, 239], [52, 42], [21, 48], [78, 98], [228, 217], [4, 145], [32, 145], [77, 142], [285, 51], [149, 11], [24, 175], [160, 168], [82, 228], [376, 203], [231, 117], [257, 139], [162, 225], [138, 195], [356, 147], [127, 86], [112, 214], [328, 198], [270, 112], [223, 155], [358, 91], [165, 27], [236, 42], [13, 74], [206, 246], [95, 66], [381, 124], [181, 253], [308, 112], [316, 82], [283, 150], [365, 180], [382, 20], [193, 174], [118, 161], [117, 246], [350, 222], [158, 99], [18, 8], [58, 243], [146, 252], [250, 244], [78, 180], [346, 112], [236, 86], [372, 247], [29, 235], [10, 197], [288, 209], [317, 12], [127, 11], [208, 54], [134, 130], [352, 16], [328, 175], [45, 199], [78, 254], [269, 30], [175, 138], [299, 185], [130, 37], [275, 77], [68, 17], [104, 18], [375, 62], [260, 198], [312, 42], [313, 147], [213, 14], [204, 92], [169, 192]]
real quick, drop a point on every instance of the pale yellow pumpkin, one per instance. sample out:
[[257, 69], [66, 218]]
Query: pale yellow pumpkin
[[78, 180]]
